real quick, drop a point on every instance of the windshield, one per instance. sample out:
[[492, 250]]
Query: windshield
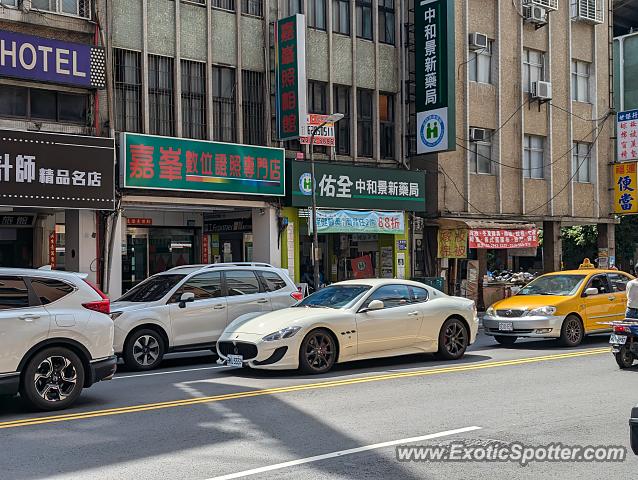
[[151, 289], [337, 296], [560, 285]]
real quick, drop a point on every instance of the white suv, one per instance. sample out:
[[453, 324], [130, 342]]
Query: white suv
[[188, 307], [56, 336]]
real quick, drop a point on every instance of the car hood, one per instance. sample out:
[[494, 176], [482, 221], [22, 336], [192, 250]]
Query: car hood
[[528, 302], [266, 323]]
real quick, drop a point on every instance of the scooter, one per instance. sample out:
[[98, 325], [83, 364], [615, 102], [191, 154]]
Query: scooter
[[624, 342]]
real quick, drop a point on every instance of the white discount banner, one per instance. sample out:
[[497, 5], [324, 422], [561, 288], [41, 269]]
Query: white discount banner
[[324, 136], [351, 221]]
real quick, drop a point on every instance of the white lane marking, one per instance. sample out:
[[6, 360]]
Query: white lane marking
[[341, 453], [117, 377]]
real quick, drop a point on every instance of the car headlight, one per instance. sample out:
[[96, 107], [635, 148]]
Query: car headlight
[[490, 311], [281, 334], [541, 311]]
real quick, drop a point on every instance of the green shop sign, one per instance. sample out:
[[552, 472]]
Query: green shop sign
[[345, 186], [165, 163]]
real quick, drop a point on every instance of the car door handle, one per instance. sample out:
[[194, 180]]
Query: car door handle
[[412, 314], [29, 317], [611, 298], [263, 300], [219, 307]]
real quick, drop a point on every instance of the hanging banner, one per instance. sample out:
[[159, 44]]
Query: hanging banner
[[351, 221], [324, 136], [498, 239], [362, 267], [290, 76], [452, 243], [435, 62], [627, 131], [625, 184], [52, 250]]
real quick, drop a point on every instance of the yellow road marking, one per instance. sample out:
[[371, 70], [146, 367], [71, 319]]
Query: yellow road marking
[[296, 388]]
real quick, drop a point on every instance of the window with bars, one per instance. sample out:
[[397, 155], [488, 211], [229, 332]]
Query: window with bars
[[364, 122], [317, 14], [161, 111], [224, 4], [194, 100], [580, 81], [341, 16], [386, 21], [364, 19], [253, 7], [77, 8], [534, 156], [252, 84], [39, 104], [342, 127], [581, 162], [386, 119], [128, 90], [224, 126]]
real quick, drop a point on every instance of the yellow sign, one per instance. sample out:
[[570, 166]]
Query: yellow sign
[[625, 188], [586, 265], [452, 243]]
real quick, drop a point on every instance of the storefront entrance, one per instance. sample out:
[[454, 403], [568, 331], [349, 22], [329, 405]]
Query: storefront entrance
[[16, 247]]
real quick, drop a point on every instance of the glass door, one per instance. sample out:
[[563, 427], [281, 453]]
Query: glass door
[[135, 263]]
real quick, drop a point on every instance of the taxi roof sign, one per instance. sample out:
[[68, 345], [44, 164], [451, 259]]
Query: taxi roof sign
[[586, 265]]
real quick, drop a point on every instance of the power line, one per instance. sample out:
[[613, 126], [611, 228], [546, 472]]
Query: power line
[[578, 116], [525, 102], [442, 170]]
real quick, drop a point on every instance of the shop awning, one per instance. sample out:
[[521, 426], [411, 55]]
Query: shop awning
[[484, 224]]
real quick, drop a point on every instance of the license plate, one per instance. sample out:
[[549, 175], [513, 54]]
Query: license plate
[[235, 360], [505, 326], [618, 339]]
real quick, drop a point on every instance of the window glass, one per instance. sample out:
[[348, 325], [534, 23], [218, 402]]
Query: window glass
[[43, 104], [391, 296], [599, 282], [419, 294], [272, 281], [241, 282], [341, 16], [50, 290], [13, 293], [618, 282], [151, 289], [13, 101], [72, 108], [205, 285]]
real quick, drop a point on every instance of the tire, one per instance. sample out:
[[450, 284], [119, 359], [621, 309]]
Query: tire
[[505, 340], [318, 352], [53, 379], [144, 350], [453, 339], [572, 332], [624, 358]]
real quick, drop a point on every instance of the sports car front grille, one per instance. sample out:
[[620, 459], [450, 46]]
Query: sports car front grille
[[510, 313], [246, 350]]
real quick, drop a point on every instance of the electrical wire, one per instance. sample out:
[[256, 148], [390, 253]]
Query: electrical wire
[[578, 116], [442, 170], [525, 102]]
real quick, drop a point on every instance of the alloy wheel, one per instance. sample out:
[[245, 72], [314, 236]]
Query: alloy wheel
[[146, 350], [455, 338], [573, 331], [55, 378], [320, 351]]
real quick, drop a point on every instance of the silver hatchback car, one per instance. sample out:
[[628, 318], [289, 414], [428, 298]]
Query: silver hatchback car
[[188, 307]]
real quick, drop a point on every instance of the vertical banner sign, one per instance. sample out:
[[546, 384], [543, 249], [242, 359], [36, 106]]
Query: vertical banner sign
[[627, 132], [434, 61], [205, 249], [52, 250], [290, 80], [625, 184]]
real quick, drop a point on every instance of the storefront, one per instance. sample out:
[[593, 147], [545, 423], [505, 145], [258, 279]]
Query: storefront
[[190, 201], [363, 221]]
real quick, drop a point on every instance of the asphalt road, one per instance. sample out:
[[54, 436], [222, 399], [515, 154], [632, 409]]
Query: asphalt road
[[194, 420]]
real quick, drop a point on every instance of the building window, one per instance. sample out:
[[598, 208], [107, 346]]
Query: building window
[[581, 162], [317, 97], [48, 105], [9, 3], [224, 4], [364, 19], [224, 104], [341, 16], [580, 81], [295, 6], [480, 64], [317, 14], [533, 68], [342, 127], [128, 90], [386, 21], [481, 155], [194, 100], [253, 7], [252, 84], [534, 156], [161, 112], [77, 8], [364, 122], [386, 119]]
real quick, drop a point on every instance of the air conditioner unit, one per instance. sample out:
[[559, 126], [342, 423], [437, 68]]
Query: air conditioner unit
[[478, 134], [541, 90], [549, 5], [478, 41], [588, 11], [535, 15]]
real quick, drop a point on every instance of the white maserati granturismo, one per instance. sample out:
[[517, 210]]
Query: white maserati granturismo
[[352, 320]]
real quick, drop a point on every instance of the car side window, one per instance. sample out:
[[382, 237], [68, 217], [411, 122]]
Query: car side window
[[50, 290], [419, 295], [618, 281], [391, 296], [241, 282], [599, 282], [271, 281], [13, 293], [204, 286]]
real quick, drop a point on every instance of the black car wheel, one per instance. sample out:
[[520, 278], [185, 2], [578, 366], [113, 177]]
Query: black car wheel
[[572, 331], [144, 350], [318, 352], [453, 339], [624, 357]]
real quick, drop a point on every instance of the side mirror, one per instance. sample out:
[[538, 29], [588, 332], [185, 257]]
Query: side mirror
[[375, 305], [185, 298], [591, 291]]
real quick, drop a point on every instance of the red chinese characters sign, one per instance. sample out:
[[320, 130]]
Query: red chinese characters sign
[[627, 130], [290, 70], [495, 238], [52, 249], [195, 165]]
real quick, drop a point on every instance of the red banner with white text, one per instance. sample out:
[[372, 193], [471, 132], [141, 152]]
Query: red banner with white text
[[495, 238]]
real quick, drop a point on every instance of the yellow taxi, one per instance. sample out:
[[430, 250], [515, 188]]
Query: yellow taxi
[[566, 305]]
